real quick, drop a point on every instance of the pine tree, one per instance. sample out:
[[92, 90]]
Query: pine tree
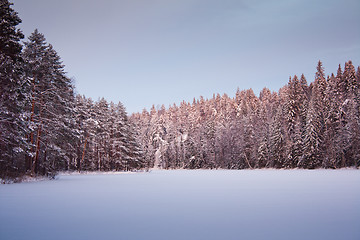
[[312, 139], [263, 152], [81, 114], [332, 122], [320, 81], [265, 116], [13, 94], [315, 119], [51, 107], [10, 36], [102, 135], [294, 104], [249, 144], [135, 156], [353, 127], [277, 142], [88, 138], [349, 79], [295, 147]]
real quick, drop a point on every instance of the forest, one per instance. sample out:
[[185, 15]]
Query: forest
[[300, 126], [45, 127]]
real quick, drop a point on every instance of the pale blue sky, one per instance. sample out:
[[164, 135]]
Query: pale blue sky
[[144, 52]]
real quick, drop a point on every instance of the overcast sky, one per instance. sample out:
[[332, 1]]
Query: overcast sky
[[144, 52]]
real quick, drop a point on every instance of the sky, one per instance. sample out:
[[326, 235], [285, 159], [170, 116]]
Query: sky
[[145, 52]]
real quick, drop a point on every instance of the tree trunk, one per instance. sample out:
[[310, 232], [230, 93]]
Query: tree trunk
[[83, 154], [247, 160], [29, 160], [38, 139], [36, 158], [99, 160]]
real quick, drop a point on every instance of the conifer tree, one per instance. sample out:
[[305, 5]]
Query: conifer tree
[[10, 36], [51, 106], [13, 94], [298, 126], [277, 141], [312, 138], [349, 79]]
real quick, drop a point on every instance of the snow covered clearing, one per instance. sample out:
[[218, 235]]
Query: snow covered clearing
[[185, 204]]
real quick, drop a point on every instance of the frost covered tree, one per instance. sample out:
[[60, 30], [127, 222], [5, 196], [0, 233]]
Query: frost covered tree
[[45, 128], [277, 141], [295, 110], [10, 36], [301, 125], [82, 115], [51, 107], [312, 138], [106, 139], [13, 94]]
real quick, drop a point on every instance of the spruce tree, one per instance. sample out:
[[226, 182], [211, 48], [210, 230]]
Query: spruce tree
[[13, 94], [10, 36], [312, 138], [277, 141]]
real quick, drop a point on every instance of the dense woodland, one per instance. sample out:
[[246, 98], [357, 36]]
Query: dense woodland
[[300, 126], [45, 127]]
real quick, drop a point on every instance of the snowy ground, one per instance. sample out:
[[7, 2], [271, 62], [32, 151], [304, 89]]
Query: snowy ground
[[199, 204]]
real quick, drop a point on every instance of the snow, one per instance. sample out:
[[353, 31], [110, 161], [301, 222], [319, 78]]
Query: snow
[[157, 159], [185, 204]]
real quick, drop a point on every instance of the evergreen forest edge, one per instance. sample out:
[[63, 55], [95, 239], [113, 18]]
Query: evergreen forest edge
[[45, 127]]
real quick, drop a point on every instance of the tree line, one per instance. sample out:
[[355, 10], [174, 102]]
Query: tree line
[[44, 126], [300, 126]]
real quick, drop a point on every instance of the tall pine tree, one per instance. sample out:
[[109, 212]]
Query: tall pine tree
[[13, 94]]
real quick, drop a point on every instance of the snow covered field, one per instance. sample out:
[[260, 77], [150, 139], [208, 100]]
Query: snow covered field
[[181, 204]]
